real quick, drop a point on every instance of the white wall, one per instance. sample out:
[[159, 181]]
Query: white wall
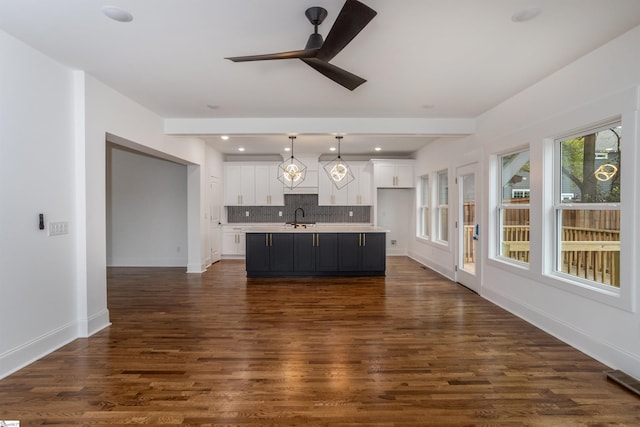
[[146, 210], [596, 87], [53, 133], [393, 208], [37, 272]]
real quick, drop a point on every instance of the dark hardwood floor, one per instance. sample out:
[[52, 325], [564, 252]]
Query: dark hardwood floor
[[408, 349]]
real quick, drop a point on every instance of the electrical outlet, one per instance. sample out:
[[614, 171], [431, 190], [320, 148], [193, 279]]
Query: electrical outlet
[[350, 213], [246, 213], [58, 228], [393, 242], [279, 213]]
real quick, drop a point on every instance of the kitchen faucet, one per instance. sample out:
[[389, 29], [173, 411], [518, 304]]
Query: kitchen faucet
[[295, 217]]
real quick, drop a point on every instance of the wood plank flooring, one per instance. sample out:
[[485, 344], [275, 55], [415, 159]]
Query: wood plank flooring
[[408, 349]]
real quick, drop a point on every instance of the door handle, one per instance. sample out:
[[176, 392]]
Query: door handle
[[477, 232]]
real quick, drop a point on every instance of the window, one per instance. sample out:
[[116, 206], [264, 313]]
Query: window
[[513, 207], [443, 207], [587, 229], [423, 209]]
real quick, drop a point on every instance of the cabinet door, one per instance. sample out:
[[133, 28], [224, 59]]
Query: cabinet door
[[232, 179], [349, 251], [373, 251], [359, 191], [276, 188], [257, 252], [384, 175], [239, 185], [326, 252], [229, 243], [304, 252], [262, 189], [404, 176], [281, 252], [268, 189]]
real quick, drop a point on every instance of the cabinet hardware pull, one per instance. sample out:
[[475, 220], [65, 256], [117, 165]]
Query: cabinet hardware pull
[[360, 239], [317, 240], [271, 239], [364, 239]]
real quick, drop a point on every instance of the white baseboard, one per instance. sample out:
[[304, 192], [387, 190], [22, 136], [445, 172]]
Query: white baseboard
[[446, 272], [605, 352], [27, 353]]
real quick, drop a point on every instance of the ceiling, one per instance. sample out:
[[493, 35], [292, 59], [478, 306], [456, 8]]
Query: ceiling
[[426, 59]]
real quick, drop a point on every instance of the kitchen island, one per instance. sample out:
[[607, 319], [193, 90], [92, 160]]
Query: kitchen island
[[325, 250]]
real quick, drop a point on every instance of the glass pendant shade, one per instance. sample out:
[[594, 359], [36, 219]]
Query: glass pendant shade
[[291, 172], [338, 171]]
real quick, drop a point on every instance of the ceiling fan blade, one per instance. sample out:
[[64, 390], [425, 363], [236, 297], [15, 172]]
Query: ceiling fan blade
[[337, 74], [353, 17], [307, 53]]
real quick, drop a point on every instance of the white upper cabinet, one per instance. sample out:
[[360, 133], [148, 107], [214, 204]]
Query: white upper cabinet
[[269, 189], [393, 173], [239, 184], [328, 194], [357, 192], [252, 184]]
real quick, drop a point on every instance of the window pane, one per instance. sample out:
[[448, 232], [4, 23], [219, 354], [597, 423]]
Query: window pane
[[443, 206], [591, 167], [424, 222], [424, 186], [443, 223], [590, 245], [443, 188], [515, 177], [515, 234]]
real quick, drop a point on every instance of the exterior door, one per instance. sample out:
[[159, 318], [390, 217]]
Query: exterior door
[[468, 233]]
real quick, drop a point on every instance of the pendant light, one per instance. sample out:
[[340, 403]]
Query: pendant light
[[292, 172], [338, 171]]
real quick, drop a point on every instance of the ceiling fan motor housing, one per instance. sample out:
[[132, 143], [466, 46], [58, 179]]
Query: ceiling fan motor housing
[[315, 15]]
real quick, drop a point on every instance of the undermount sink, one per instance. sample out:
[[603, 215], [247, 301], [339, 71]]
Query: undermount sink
[[300, 225]]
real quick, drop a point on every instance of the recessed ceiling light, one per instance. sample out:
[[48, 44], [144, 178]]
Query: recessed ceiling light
[[332, 149], [224, 137], [117, 14], [240, 148], [378, 149], [526, 14]]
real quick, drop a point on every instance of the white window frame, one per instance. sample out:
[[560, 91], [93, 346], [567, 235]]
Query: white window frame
[[622, 108], [423, 227], [559, 205], [437, 232], [501, 206]]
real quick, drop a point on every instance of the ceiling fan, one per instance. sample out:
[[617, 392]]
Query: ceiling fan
[[353, 17]]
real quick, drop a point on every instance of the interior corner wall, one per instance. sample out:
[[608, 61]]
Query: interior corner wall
[[442, 154], [598, 86], [146, 210], [109, 114], [37, 158], [52, 161]]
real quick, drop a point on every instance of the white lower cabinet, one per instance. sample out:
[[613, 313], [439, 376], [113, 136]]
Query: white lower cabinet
[[233, 241]]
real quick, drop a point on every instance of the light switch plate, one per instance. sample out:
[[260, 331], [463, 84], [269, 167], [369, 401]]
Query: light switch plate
[[58, 228]]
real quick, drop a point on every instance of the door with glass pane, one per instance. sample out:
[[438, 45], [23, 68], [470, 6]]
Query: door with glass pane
[[467, 228]]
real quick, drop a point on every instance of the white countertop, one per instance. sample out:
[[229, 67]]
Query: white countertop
[[316, 228]]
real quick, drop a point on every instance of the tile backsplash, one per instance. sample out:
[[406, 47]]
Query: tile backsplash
[[308, 202]]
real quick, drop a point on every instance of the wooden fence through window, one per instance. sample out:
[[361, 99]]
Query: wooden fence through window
[[590, 244]]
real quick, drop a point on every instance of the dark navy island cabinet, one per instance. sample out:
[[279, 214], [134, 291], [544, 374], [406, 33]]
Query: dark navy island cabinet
[[315, 254]]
